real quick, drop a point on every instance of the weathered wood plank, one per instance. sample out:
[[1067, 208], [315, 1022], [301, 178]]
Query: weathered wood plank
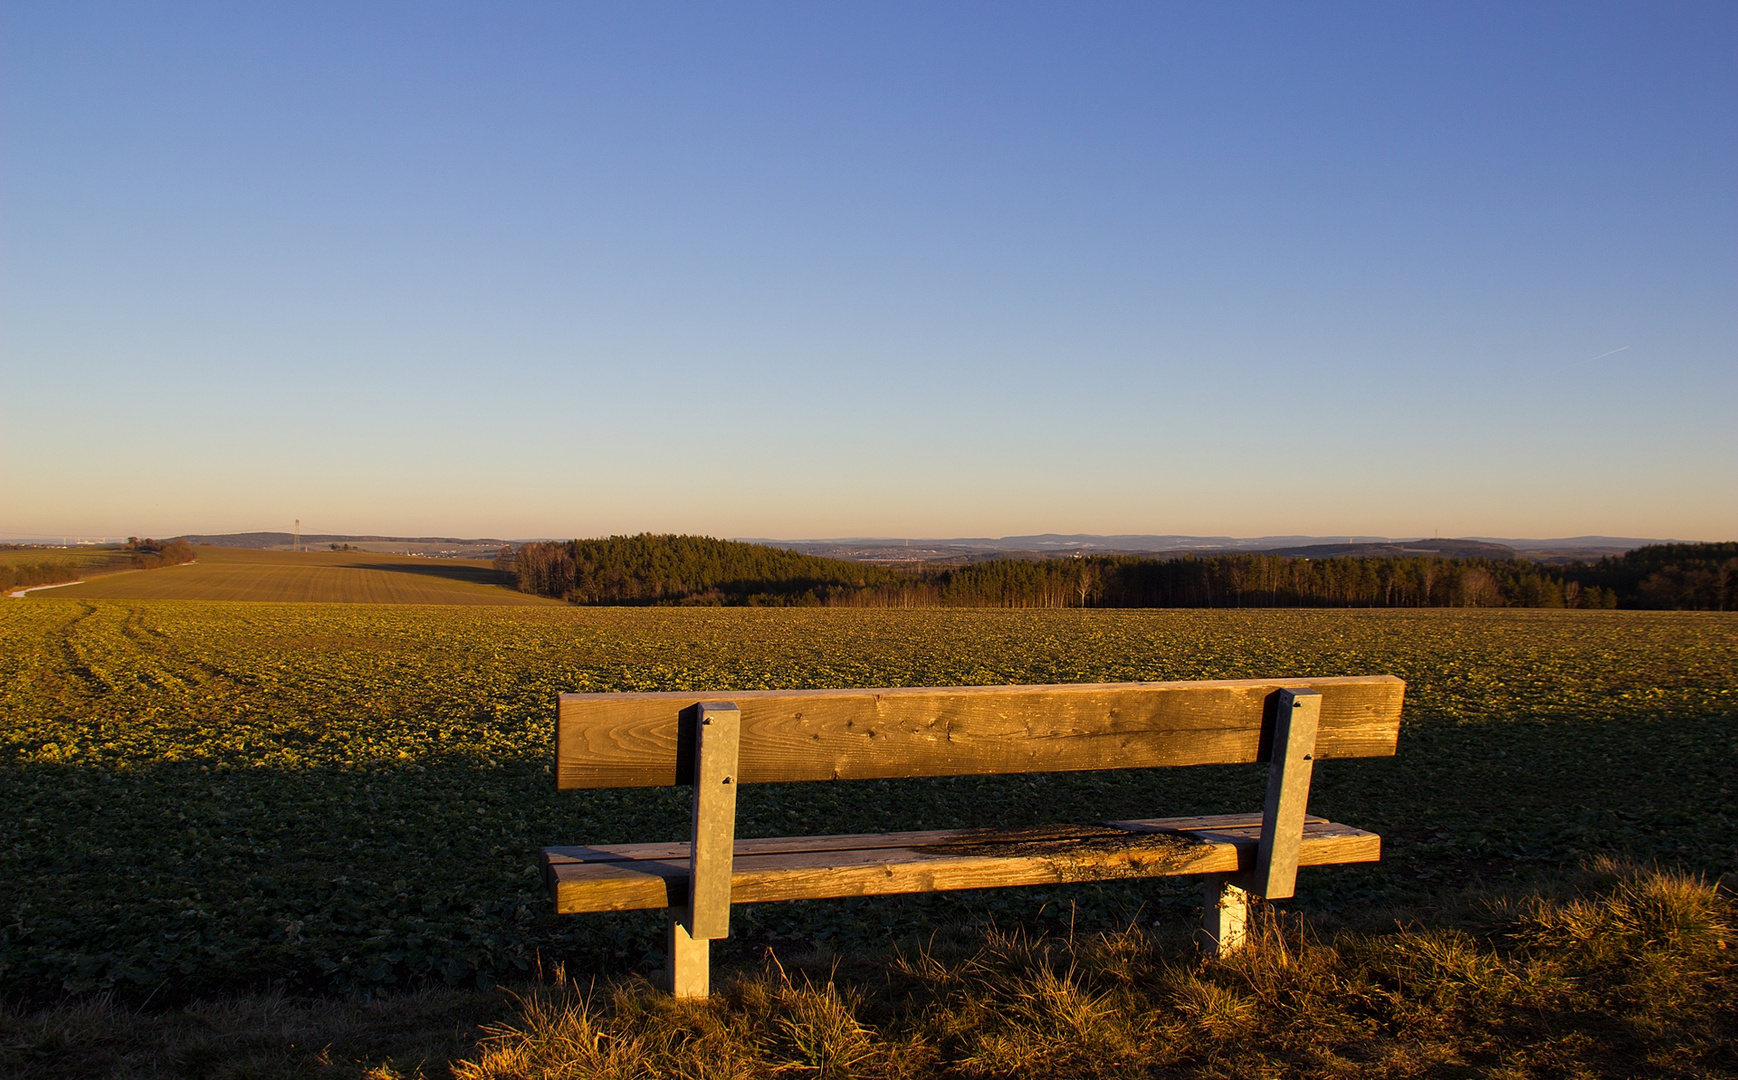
[[714, 833], [1000, 860], [1224, 916], [689, 960], [1236, 826], [639, 740], [1288, 793]]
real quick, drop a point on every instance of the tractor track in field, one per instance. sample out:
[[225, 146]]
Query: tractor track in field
[[78, 663]]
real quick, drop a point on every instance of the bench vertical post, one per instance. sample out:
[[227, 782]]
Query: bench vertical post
[[1225, 915], [1288, 793], [717, 737], [690, 972]]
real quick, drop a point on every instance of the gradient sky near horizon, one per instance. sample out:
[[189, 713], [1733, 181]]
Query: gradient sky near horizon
[[819, 270]]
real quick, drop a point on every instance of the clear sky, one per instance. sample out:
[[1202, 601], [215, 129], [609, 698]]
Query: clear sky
[[817, 270]]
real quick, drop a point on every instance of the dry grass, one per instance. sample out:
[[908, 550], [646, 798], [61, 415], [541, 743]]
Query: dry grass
[[1635, 978], [1619, 971], [345, 577]]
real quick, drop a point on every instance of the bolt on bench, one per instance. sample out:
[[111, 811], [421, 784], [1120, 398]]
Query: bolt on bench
[[717, 741]]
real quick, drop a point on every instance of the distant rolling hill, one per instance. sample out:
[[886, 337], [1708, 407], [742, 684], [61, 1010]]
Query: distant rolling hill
[[438, 546], [353, 577], [1045, 545], [1448, 549]]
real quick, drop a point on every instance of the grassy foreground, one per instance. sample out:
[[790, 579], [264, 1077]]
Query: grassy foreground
[[1617, 971], [1637, 977]]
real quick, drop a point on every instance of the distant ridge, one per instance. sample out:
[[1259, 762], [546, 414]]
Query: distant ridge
[[1448, 549], [1039, 545], [449, 546], [972, 549]]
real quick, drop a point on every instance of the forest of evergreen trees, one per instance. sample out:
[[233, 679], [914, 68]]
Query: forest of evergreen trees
[[653, 569]]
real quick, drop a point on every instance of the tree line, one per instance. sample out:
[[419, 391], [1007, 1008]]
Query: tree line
[[654, 569], [665, 569], [1687, 577], [148, 554], [20, 575]]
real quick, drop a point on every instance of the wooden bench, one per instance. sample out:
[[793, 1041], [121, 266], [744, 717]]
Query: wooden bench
[[718, 741]]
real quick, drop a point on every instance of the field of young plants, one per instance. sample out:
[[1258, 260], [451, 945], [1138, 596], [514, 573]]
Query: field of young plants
[[206, 796]]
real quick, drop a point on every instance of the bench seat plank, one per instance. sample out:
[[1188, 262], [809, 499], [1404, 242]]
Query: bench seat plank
[[785, 845], [626, 877]]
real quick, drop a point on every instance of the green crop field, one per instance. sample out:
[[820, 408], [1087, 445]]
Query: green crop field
[[353, 577], [207, 795]]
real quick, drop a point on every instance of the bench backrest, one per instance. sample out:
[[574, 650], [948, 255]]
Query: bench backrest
[[648, 740]]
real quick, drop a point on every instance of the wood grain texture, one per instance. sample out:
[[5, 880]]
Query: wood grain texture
[[634, 876], [640, 740], [1230, 826]]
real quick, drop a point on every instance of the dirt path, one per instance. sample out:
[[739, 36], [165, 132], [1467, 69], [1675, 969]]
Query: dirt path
[[19, 595]]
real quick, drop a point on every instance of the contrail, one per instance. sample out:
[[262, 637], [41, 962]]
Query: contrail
[[1613, 352]]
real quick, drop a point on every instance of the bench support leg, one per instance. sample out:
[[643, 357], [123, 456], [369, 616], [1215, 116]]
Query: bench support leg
[[717, 734], [1288, 793], [690, 974], [1225, 920]]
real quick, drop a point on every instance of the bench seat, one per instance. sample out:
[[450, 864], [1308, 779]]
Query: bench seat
[[627, 877]]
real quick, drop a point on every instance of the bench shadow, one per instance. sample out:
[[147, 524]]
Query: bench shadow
[[359, 873]]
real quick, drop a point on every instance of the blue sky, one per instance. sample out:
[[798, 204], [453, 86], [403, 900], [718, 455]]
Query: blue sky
[[839, 270]]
